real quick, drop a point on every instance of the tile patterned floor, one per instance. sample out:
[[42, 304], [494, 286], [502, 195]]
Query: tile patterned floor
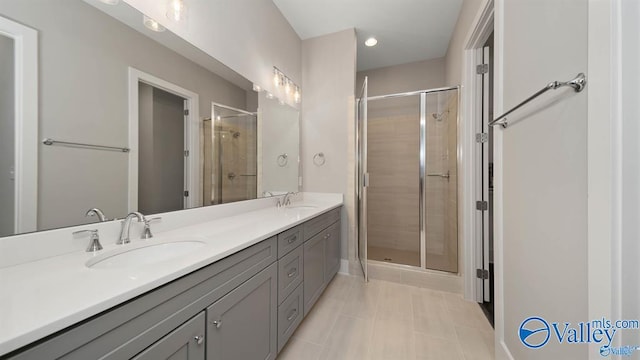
[[384, 320]]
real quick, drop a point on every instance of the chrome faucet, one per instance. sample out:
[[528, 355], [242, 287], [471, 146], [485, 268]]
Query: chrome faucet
[[126, 224], [97, 212], [286, 200]]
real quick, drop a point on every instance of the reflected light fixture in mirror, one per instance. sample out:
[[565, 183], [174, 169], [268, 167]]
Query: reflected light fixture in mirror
[[176, 10], [110, 2], [153, 25]]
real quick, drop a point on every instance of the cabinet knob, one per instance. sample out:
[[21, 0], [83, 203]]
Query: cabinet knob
[[217, 323], [292, 239], [293, 272], [199, 339]]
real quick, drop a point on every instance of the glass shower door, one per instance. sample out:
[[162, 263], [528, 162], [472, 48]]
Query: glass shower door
[[440, 182]]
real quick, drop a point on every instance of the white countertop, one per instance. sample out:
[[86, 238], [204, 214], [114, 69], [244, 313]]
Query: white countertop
[[42, 297]]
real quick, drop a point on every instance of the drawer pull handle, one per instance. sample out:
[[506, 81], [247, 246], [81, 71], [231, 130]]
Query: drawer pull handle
[[217, 323], [292, 314], [292, 239], [293, 272], [199, 339]]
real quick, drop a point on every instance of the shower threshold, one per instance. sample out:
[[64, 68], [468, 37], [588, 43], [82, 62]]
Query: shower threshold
[[395, 256]]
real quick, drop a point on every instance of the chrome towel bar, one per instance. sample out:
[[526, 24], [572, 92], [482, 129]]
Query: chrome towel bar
[[578, 83], [49, 141]]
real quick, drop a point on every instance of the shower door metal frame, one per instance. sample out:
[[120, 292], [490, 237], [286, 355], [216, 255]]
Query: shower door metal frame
[[362, 180], [218, 189], [362, 157]]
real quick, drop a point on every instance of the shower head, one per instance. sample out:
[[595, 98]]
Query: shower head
[[439, 117]]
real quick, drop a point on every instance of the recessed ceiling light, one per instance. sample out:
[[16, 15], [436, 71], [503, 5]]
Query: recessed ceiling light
[[110, 2], [371, 42]]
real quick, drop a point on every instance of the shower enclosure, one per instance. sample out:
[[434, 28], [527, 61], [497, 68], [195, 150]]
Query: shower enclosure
[[407, 150], [230, 155]]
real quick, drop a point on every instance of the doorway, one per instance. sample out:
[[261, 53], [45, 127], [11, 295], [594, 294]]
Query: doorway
[[484, 177], [148, 91], [161, 142]]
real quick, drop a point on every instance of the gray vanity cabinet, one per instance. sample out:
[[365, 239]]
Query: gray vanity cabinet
[[321, 255], [314, 265], [332, 251], [243, 307], [243, 324], [184, 343]]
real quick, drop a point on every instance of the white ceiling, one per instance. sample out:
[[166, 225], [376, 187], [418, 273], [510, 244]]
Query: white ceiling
[[407, 30]]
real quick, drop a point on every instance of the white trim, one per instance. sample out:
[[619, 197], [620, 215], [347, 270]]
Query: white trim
[[192, 133], [344, 267], [600, 166], [26, 123], [477, 36], [498, 224]]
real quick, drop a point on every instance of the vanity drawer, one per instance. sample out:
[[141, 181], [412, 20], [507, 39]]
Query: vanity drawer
[[289, 240], [321, 222], [290, 273], [289, 316]]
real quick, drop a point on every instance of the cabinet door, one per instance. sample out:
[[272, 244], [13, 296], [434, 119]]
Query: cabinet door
[[243, 324], [332, 251], [313, 273], [184, 343]]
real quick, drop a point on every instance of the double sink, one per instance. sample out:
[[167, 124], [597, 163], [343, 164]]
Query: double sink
[[160, 250]]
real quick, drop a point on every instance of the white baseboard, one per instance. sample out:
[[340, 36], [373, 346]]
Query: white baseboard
[[344, 267], [502, 352]]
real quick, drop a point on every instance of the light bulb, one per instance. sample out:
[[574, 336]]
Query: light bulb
[[287, 87], [269, 96], [256, 88], [371, 41], [276, 78], [153, 25], [296, 96]]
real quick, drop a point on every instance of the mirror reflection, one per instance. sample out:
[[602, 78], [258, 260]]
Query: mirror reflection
[[137, 120]]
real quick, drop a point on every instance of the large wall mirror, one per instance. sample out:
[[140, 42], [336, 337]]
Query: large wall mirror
[[135, 119]]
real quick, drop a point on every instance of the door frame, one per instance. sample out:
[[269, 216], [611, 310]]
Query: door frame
[[192, 136], [471, 109], [25, 40]]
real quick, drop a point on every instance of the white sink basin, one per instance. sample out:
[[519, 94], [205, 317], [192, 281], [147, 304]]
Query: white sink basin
[[143, 255]]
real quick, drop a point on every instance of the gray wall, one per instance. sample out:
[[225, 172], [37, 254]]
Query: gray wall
[[249, 36], [84, 57], [468, 12], [420, 75], [7, 141], [544, 162], [327, 114]]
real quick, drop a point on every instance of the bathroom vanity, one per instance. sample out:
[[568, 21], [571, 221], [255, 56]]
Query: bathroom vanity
[[230, 299]]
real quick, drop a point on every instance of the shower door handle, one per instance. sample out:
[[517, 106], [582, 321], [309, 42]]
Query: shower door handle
[[365, 180]]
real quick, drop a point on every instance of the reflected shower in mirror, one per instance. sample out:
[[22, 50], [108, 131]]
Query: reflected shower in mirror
[[106, 79], [230, 144]]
